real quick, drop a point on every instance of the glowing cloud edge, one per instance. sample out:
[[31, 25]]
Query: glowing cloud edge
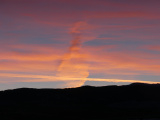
[[45, 78]]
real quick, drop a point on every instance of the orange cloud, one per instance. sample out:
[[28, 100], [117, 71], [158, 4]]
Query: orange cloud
[[44, 78], [96, 60], [35, 67], [30, 57], [110, 25], [32, 53], [122, 62], [72, 65]]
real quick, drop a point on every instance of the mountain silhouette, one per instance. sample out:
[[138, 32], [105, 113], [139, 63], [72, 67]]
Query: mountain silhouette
[[136, 101]]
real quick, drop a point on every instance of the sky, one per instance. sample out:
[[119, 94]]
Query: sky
[[71, 43]]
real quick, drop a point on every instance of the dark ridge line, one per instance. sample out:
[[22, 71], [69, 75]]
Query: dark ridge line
[[83, 87]]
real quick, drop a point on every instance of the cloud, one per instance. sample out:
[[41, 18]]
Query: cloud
[[34, 38], [152, 47], [111, 61], [73, 65], [71, 81], [104, 59]]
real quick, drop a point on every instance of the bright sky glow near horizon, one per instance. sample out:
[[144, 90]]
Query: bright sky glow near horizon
[[70, 43]]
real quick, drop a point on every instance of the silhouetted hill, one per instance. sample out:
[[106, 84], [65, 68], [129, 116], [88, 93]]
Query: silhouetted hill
[[132, 101]]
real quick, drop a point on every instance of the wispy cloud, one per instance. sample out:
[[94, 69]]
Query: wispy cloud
[[44, 78], [73, 64], [112, 38]]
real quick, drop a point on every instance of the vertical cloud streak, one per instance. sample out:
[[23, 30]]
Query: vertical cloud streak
[[73, 65]]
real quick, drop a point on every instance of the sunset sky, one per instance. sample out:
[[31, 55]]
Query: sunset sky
[[70, 43]]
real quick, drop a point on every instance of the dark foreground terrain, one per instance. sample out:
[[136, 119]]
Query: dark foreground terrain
[[131, 102]]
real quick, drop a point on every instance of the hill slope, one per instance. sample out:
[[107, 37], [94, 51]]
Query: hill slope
[[87, 102]]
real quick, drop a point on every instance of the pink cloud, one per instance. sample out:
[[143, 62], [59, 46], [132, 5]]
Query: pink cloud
[[152, 47]]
